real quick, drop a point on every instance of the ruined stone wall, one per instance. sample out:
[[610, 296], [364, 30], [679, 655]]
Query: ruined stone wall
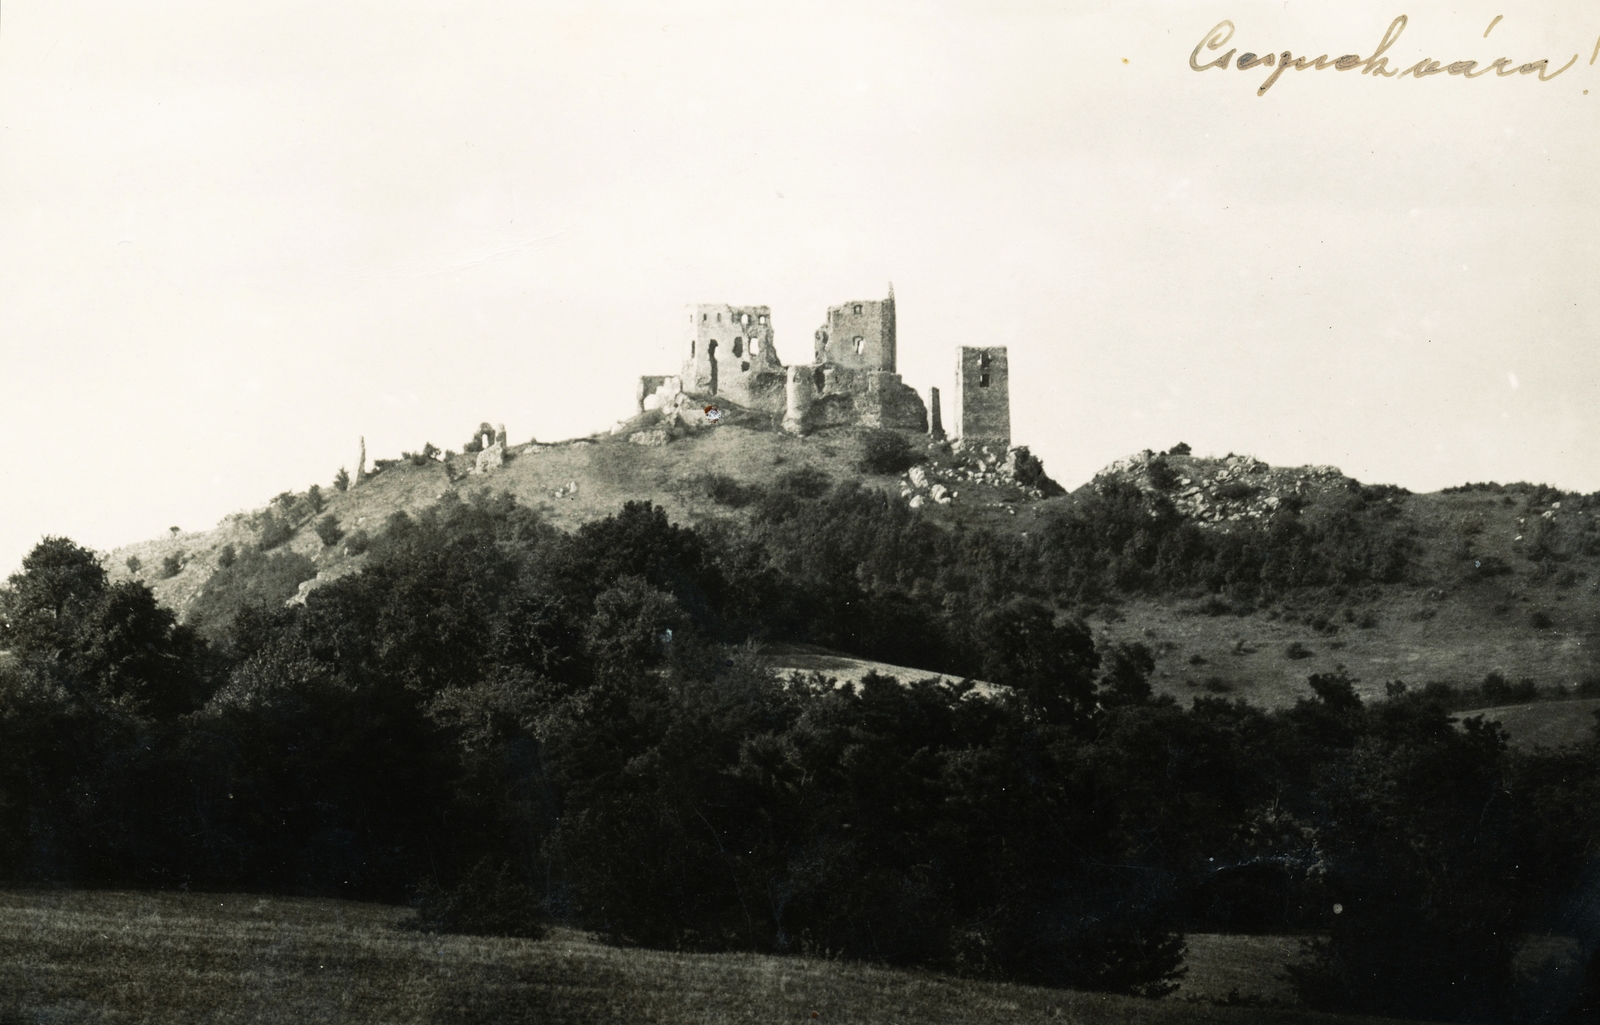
[[983, 391], [859, 335], [867, 398], [728, 352]]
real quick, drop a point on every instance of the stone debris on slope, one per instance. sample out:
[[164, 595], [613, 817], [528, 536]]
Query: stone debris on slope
[[1015, 469], [1214, 492]]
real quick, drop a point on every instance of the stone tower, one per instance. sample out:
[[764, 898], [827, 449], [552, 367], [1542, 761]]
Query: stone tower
[[729, 352], [983, 390], [859, 335]]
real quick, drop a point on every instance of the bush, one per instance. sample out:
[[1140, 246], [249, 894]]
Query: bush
[[1162, 476], [1540, 620], [328, 530], [1180, 449], [314, 499], [133, 564], [1497, 690], [724, 490], [887, 452], [341, 480], [275, 530], [357, 542], [227, 557], [1296, 650], [805, 482], [489, 901], [1235, 491], [172, 565]]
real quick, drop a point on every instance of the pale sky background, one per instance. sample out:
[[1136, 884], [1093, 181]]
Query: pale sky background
[[235, 237]]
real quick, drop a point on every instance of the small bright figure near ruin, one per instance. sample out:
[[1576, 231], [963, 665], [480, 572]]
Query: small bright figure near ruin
[[713, 415]]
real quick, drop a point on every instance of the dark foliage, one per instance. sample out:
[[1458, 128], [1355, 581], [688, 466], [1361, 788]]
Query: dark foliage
[[887, 452], [552, 727], [488, 901], [275, 529], [328, 531]]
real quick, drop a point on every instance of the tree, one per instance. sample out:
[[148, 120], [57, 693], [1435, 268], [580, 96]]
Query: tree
[[41, 605], [341, 480], [328, 530], [1125, 676], [1054, 666]]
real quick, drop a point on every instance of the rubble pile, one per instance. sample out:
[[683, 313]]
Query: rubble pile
[[938, 480], [1214, 492]]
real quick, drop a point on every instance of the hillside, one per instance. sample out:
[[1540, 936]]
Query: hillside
[[92, 957], [1500, 579]]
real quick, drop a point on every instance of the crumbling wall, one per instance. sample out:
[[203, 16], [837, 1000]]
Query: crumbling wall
[[859, 335], [728, 353]]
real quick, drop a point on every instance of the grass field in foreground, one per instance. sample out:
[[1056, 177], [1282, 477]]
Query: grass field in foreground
[[171, 958]]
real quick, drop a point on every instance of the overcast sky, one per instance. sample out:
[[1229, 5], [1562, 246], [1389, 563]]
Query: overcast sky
[[236, 237]]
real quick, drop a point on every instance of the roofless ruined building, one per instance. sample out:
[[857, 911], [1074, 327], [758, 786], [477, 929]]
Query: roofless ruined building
[[729, 357]]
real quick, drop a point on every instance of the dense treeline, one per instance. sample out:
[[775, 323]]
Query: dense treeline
[[571, 727]]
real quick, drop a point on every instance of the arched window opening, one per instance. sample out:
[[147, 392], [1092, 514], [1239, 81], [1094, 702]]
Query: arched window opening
[[983, 380], [762, 318], [860, 344], [691, 348], [983, 360], [704, 317], [858, 307], [819, 379], [738, 346], [755, 346], [744, 319]]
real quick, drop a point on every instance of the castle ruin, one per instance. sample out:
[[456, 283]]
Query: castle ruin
[[729, 357]]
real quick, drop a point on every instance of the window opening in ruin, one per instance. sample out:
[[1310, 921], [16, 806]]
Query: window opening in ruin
[[983, 360], [704, 317], [860, 343], [719, 318], [755, 346], [762, 318], [711, 356], [819, 379], [744, 318], [744, 366], [858, 307], [983, 381], [691, 348], [738, 346]]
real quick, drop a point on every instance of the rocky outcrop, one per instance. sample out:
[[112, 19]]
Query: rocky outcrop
[[1010, 475], [1215, 492]]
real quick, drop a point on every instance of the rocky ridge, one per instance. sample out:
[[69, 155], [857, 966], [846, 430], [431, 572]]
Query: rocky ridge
[[1215, 492]]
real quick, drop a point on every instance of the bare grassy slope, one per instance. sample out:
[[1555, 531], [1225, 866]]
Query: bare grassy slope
[[168, 958]]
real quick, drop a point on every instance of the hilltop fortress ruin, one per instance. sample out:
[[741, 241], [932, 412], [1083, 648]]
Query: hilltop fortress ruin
[[729, 358]]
